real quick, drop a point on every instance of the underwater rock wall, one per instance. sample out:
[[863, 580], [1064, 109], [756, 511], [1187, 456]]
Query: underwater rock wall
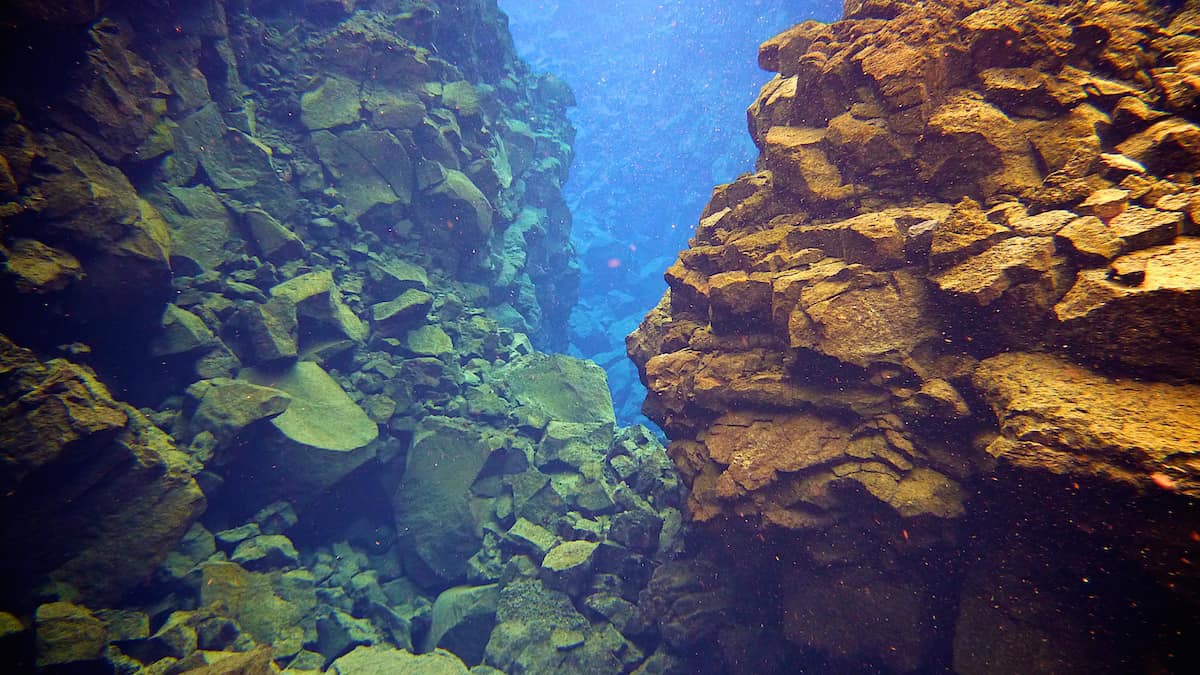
[[164, 142], [273, 277], [934, 368]]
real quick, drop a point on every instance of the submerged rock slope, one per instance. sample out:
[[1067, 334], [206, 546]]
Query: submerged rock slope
[[935, 364], [273, 274]]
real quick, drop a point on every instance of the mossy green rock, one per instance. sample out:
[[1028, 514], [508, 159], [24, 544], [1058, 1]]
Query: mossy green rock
[[274, 242], [224, 407], [381, 660], [564, 388], [319, 307], [462, 619], [202, 229], [462, 98], [568, 566], [69, 636], [334, 103], [321, 415], [433, 502], [458, 203], [390, 109], [389, 278], [429, 341], [181, 332], [265, 606], [323, 435], [392, 318], [370, 168]]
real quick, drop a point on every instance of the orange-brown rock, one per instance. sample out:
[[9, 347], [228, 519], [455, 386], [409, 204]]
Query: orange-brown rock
[[959, 205], [1145, 320], [1060, 417]]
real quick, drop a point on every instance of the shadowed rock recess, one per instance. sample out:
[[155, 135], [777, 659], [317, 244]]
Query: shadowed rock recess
[[932, 374]]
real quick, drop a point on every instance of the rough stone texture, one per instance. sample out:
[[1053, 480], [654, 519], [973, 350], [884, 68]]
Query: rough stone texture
[[1057, 416], [122, 496], [1148, 325], [322, 435], [959, 205], [69, 636], [378, 660], [433, 501], [560, 387]]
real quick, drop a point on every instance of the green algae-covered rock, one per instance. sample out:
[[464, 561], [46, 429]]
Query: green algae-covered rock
[[181, 332], [38, 269], [323, 435], [429, 341], [568, 566], [433, 503], [389, 278], [202, 229], [564, 388], [529, 537], [99, 218], [462, 98], [369, 167], [224, 407], [266, 552], [540, 631], [393, 318], [321, 415], [458, 203], [570, 445], [117, 525], [381, 660], [268, 609], [334, 103], [69, 637], [319, 307], [392, 109], [269, 332], [462, 619], [274, 242]]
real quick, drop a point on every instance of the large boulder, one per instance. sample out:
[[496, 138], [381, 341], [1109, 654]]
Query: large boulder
[[1141, 311], [370, 168], [382, 660], [97, 218], [318, 306], [438, 528], [321, 436], [61, 426]]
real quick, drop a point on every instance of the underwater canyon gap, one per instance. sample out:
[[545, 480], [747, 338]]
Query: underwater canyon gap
[[279, 274]]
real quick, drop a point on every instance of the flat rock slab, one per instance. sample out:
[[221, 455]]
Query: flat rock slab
[[323, 435], [1059, 417], [381, 660], [321, 414]]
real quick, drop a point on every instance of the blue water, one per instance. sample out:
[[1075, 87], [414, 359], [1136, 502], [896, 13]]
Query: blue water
[[662, 89]]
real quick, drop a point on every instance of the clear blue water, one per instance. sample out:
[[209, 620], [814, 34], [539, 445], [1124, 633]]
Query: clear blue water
[[662, 89]]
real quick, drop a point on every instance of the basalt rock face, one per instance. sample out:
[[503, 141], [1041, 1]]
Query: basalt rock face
[[316, 241], [958, 296]]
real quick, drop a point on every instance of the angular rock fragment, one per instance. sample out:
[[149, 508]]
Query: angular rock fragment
[[1149, 325], [322, 435]]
